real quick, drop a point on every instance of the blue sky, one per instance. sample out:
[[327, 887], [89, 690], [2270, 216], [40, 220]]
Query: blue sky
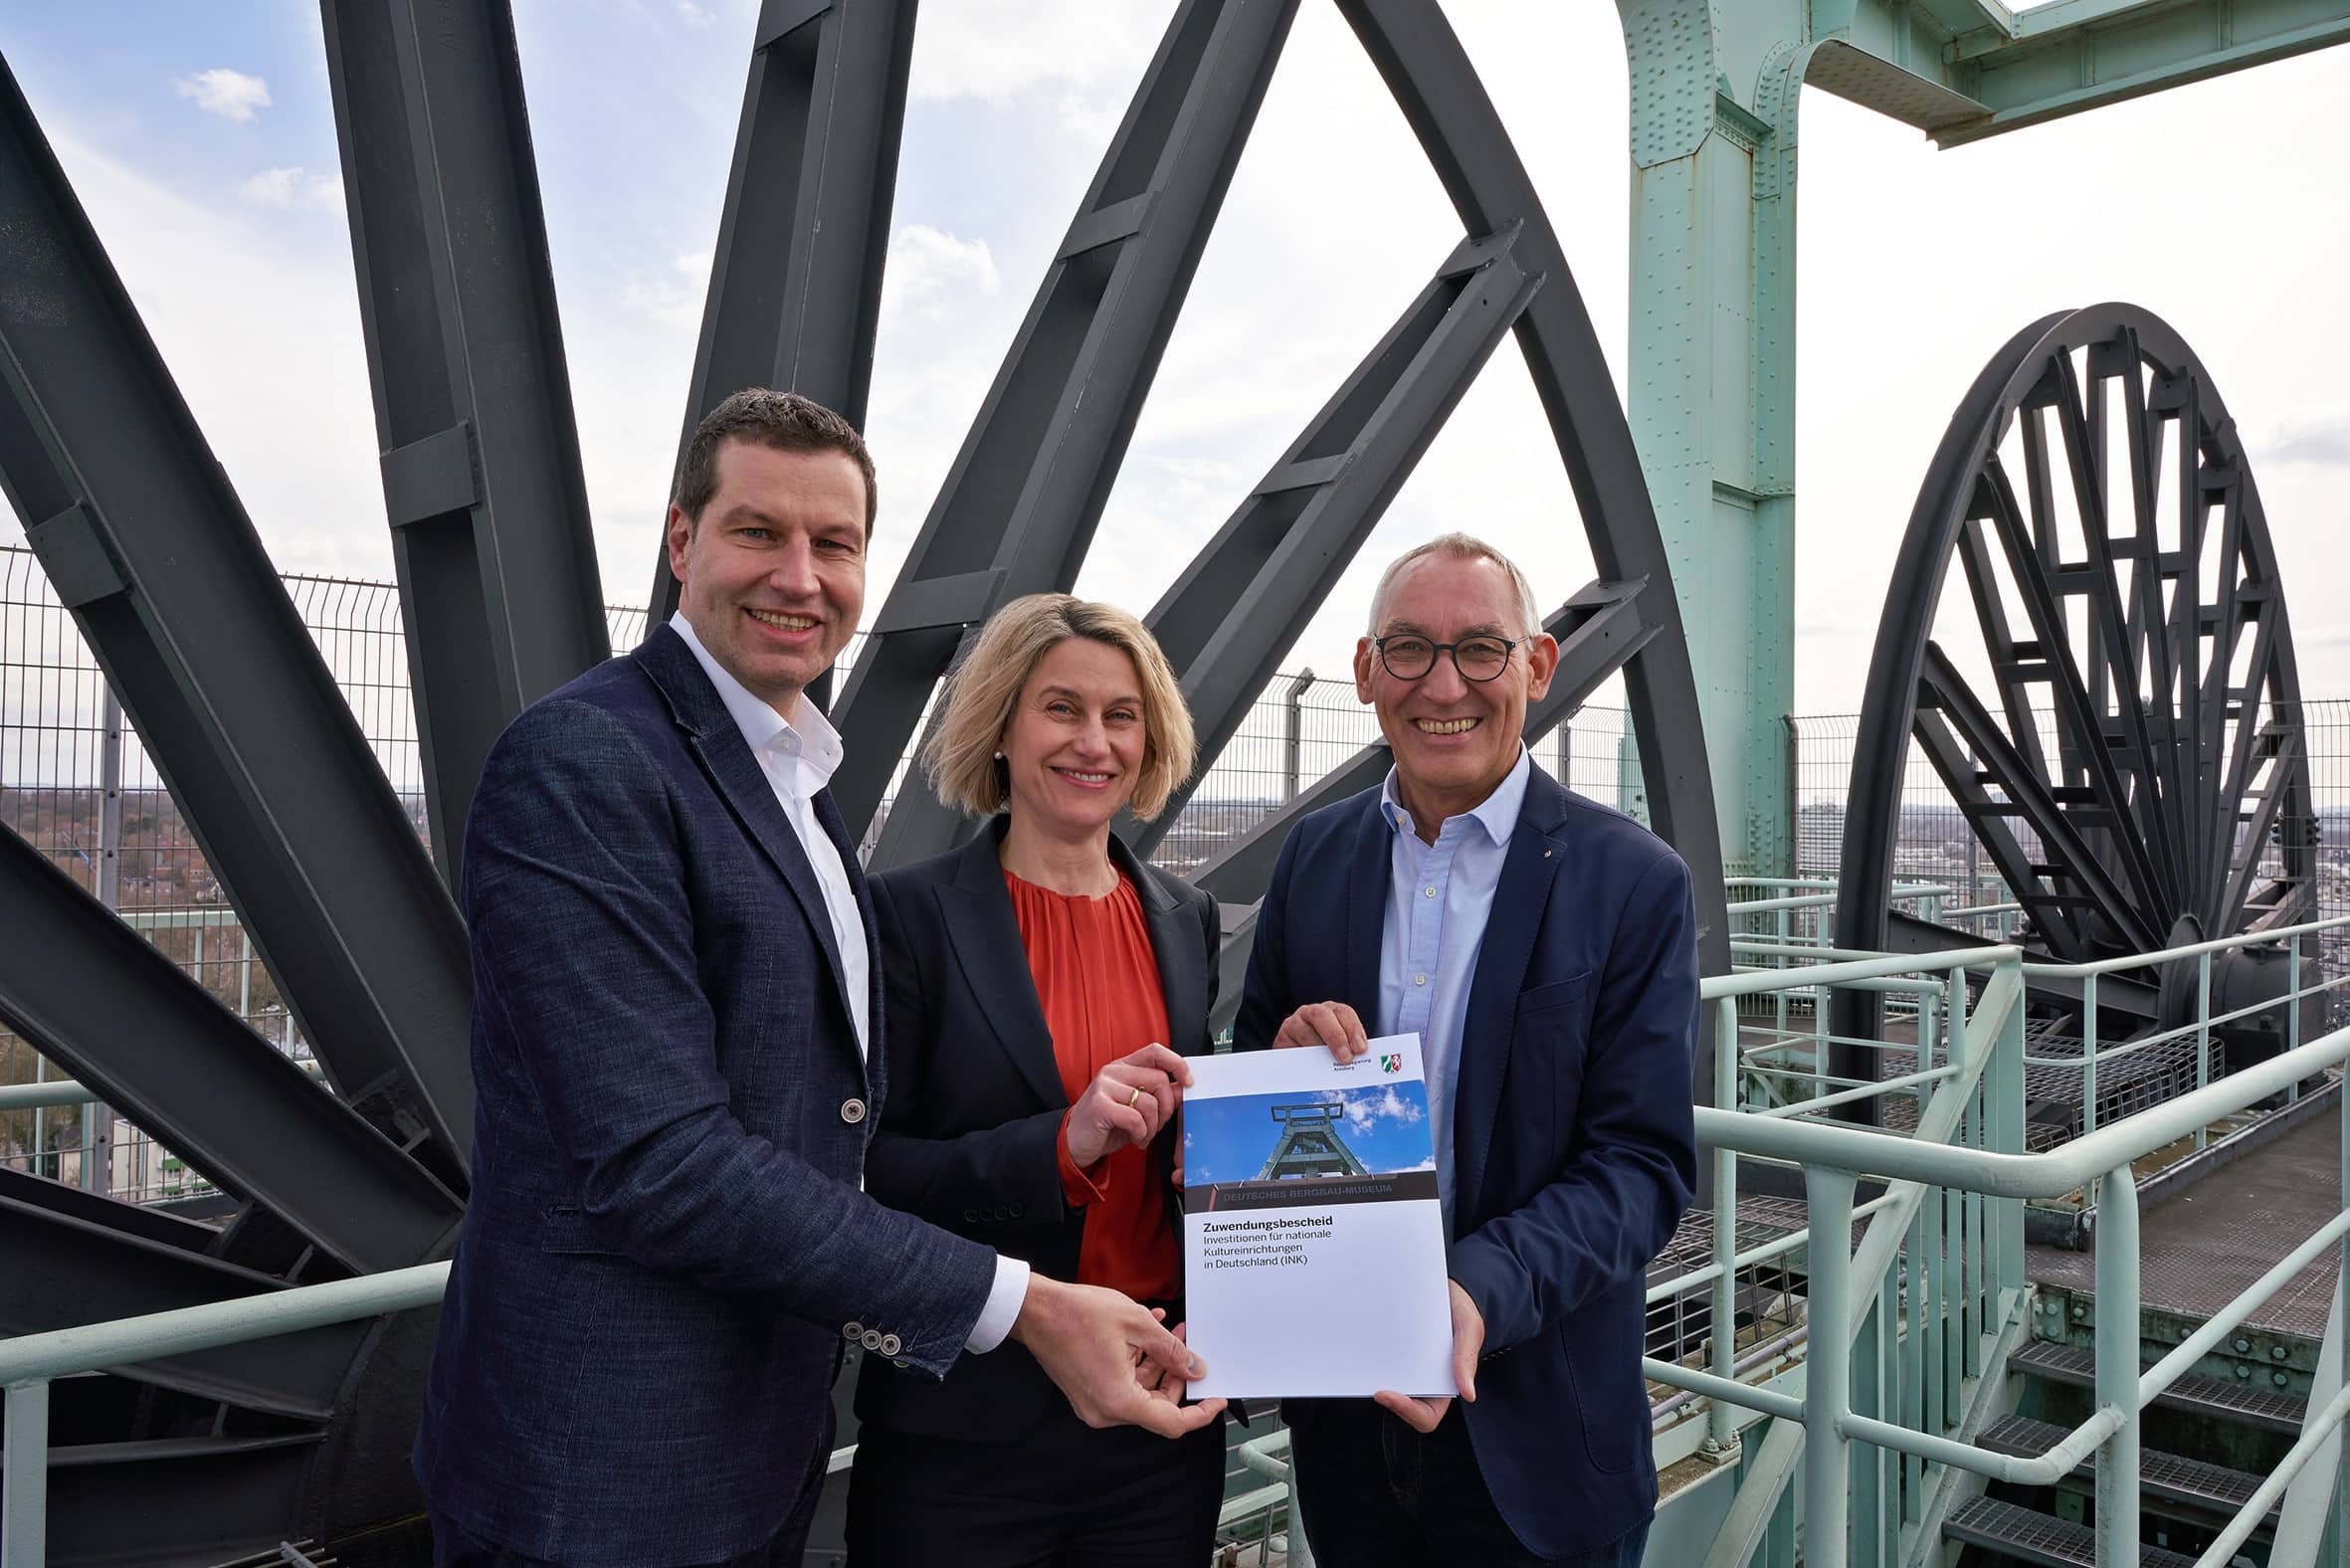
[[223, 213], [1229, 1138]]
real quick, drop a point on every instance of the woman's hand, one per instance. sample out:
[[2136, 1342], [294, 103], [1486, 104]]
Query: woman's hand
[[1129, 1101]]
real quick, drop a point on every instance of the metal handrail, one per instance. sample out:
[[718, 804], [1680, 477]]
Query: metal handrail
[[1833, 1156], [2001, 1175]]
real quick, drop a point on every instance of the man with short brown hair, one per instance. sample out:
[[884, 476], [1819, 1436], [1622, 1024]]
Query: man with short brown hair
[[678, 1066]]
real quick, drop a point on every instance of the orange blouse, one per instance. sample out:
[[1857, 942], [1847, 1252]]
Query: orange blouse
[[1099, 980]]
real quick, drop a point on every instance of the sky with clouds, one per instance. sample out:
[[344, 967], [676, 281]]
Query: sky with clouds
[[201, 140], [1384, 1125]]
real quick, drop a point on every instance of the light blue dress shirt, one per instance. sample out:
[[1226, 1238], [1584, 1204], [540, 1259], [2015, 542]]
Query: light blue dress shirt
[[1437, 897]]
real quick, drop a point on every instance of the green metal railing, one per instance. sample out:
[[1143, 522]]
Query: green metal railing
[[1877, 1397], [1901, 1329]]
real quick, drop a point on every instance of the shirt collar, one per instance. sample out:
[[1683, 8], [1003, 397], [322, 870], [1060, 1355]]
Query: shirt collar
[[810, 736], [1496, 812]]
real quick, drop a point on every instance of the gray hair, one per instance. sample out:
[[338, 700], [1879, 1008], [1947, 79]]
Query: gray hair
[[1461, 547]]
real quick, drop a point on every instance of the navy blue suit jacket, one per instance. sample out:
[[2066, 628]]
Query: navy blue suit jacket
[[665, 1246], [1574, 1150]]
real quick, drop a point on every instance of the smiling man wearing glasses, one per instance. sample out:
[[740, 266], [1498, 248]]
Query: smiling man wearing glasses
[[1544, 949]]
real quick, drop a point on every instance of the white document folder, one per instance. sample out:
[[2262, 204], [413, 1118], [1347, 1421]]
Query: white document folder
[[1313, 1246]]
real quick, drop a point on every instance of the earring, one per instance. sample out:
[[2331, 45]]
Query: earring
[[999, 756]]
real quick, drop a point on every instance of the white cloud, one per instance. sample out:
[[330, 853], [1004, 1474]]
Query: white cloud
[[232, 95], [674, 296], [693, 15], [260, 332], [294, 187], [932, 276], [2317, 435], [995, 50]]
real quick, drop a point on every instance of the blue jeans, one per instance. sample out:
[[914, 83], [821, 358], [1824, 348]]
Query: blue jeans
[[1377, 1495]]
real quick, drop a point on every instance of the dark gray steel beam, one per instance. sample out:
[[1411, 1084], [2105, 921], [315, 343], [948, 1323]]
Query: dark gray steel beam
[[2118, 996], [147, 545], [1021, 501], [90, 1274], [796, 284], [1598, 631], [2028, 796], [90, 992], [481, 478], [144, 1221], [1230, 619], [1422, 61]]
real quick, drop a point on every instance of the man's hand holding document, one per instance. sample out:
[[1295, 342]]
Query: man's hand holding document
[[1313, 1244]]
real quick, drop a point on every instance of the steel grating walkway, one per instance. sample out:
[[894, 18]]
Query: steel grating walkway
[[2202, 1247], [2037, 1538], [2170, 1482], [2203, 1396]]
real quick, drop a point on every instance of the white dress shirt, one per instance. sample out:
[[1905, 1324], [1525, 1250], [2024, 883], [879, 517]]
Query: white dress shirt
[[799, 756]]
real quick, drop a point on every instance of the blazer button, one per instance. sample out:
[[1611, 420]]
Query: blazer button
[[852, 1111], [970, 1215], [890, 1345], [1018, 1211], [871, 1340], [851, 1331]]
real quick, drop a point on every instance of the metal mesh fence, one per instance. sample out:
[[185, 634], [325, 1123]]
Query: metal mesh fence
[[65, 746]]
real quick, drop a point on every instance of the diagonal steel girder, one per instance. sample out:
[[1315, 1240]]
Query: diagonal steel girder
[[1600, 631], [94, 1274], [93, 994], [481, 478], [145, 543], [1423, 64], [796, 282], [1229, 620], [1021, 501]]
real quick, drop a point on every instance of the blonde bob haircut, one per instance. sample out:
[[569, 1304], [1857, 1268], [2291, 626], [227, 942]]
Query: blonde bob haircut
[[960, 757]]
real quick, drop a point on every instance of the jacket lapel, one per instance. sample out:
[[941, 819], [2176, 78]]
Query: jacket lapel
[[1527, 871], [985, 935], [1366, 908], [736, 775], [1174, 943]]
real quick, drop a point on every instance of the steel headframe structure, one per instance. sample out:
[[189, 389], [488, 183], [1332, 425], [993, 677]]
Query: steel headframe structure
[[1715, 112], [148, 546]]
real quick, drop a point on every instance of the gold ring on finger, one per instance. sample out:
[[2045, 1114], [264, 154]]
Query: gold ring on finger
[[1134, 1098]]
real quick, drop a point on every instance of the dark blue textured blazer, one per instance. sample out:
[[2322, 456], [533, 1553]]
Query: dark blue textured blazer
[[665, 1242], [1574, 1150]]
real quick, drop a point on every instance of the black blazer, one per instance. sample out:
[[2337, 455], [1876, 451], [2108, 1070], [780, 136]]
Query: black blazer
[[969, 1137]]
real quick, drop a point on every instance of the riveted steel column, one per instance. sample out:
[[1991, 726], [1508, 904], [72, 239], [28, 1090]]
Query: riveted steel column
[[481, 478], [146, 545], [1020, 503], [796, 284], [1712, 374]]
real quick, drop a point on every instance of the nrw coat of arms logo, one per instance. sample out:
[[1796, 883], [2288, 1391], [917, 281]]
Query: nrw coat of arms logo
[[1391, 1063]]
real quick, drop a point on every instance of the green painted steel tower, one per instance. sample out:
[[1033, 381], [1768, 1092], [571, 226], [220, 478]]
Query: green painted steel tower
[[1713, 136]]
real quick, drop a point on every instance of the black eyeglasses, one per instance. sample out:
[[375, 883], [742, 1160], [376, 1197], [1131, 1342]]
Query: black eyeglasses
[[1408, 656]]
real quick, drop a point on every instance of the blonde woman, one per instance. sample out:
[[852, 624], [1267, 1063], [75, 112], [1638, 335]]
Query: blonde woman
[[1034, 982]]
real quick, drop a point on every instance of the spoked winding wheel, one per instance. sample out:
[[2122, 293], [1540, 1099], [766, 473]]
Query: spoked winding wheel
[[2109, 693]]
